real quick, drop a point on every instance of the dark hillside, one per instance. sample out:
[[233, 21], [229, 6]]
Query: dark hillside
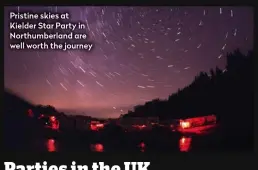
[[18, 126]]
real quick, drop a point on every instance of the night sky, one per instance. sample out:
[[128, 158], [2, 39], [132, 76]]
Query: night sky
[[140, 53]]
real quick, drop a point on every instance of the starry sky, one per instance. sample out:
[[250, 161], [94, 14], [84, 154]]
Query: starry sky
[[140, 53]]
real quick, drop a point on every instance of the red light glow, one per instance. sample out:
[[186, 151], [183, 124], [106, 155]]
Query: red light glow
[[51, 146], [199, 130], [142, 146], [55, 125], [185, 144], [96, 126], [211, 118], [140, 127], [97, 147], [41, 116], [30, 113], [100, 125], [93, 127]]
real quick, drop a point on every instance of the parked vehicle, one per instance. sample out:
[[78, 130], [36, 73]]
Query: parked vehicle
[[196, 125]]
